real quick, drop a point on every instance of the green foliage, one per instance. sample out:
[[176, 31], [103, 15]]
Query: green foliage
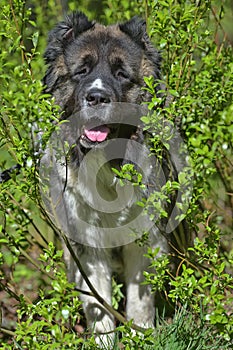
[[128, 173], [200, 73], [201, 283], [47, 323], [121, 10], [198, 78], [184, 332], [117, 294], [200, 84], [160, 275]]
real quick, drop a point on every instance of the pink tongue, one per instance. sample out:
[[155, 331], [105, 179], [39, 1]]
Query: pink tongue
[[99, 133]]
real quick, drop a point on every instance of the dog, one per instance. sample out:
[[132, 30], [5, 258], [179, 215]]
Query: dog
[[96, 75]]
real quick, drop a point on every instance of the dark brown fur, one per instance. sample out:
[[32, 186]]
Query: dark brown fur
[[76, 40]]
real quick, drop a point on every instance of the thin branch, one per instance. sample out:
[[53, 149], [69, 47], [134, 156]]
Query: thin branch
[[219, 24], [27, 217], [9, 291], [26, 255], [7, 331], [93, 291], [98, 297]]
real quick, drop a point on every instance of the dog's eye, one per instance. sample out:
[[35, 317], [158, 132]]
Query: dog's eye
[[81, 72], [121, 75]]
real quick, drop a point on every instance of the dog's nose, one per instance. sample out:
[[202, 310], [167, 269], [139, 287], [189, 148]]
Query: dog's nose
[[95, 97]]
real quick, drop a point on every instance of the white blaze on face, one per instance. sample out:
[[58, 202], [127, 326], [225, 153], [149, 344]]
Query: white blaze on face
[[97, 84]]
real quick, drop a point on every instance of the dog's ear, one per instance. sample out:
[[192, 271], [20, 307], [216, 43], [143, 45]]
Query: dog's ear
[[136, 29], [74, 25], [64, 33], [56, 79]]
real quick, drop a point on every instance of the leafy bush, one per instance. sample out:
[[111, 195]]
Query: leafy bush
[[198, 76], [49, 322], [199, 70]]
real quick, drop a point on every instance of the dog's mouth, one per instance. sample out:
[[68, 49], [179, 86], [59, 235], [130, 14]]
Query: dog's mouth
[[94, 136], [98, 135]]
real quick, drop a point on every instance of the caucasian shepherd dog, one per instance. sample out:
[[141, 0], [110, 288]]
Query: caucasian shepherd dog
[[92, 67]]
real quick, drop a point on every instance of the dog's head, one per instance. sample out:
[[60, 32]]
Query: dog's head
[[90, 65]]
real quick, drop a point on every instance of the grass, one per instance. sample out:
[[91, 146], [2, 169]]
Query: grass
[[183, 332]]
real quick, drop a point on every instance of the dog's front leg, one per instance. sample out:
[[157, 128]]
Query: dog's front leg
[[98, 270], [139, 299]]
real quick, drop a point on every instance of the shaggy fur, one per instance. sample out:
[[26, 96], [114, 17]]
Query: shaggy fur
[[91, 65]]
